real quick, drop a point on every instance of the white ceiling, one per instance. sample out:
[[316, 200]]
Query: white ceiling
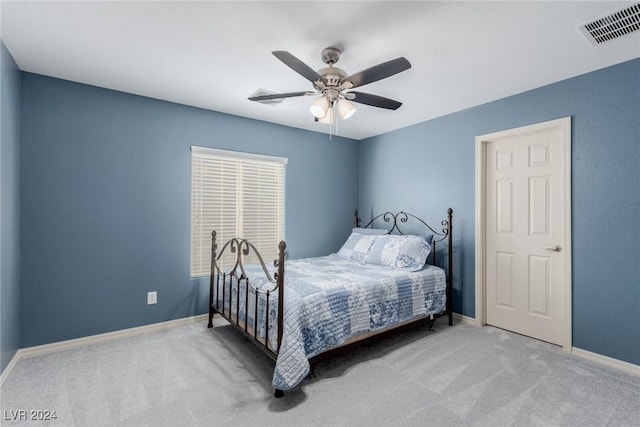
[[215, 54]]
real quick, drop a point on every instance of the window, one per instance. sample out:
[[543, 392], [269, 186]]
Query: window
[[237, 195]]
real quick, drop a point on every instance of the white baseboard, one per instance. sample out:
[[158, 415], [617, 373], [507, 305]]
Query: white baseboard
[[12, 364], [630, 368], [594, 357], [55, 347], [24, 353]]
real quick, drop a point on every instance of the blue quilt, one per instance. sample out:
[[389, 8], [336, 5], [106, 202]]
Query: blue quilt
[[330, 299]]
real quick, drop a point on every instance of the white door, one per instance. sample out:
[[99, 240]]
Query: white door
[[525, 225]]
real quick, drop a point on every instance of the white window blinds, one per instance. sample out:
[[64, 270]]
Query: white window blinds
[[237, 195]]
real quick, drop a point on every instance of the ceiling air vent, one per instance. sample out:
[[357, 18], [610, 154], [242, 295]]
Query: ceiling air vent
[[612, 26], [261, 92]]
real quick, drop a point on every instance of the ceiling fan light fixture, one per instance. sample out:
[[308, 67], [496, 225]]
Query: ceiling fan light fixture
[[346, 109], [328, 117], [320, 107]]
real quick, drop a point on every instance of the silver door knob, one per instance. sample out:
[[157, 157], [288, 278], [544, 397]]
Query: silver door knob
[[555, 248]]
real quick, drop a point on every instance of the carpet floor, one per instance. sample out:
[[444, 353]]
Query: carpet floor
[[194, 376]]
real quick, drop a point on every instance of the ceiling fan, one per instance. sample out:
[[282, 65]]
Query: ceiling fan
[[334, 85]]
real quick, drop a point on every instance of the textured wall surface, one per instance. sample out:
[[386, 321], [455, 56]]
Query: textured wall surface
[[9, 207], [430, 166], [106, 191]]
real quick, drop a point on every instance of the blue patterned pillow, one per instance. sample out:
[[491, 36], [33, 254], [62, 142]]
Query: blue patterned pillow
[[429, 239], [357, 247], [362, 248], [399, 251]]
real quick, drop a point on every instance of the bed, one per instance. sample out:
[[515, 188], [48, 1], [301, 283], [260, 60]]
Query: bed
[[381, 280]]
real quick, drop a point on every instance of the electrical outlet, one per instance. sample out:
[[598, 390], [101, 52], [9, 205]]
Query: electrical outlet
[[152, 297]]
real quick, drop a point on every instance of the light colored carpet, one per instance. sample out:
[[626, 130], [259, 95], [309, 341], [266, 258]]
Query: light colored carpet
[[194, 376]]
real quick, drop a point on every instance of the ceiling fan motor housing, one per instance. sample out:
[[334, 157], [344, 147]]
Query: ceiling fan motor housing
[[332, 76]]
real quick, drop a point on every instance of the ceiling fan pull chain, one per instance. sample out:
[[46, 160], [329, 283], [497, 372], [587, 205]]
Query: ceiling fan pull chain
[[330, 127]]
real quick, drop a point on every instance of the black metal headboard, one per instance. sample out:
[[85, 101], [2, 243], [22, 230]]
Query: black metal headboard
[[395, 220]]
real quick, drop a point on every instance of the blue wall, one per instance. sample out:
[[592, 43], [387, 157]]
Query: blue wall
[[106, 203], [105, 199], [430, 166], [9, 207]]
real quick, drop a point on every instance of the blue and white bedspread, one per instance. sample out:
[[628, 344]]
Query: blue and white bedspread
[[330, 299]]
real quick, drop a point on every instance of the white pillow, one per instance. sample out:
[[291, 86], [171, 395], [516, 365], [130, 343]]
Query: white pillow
[[371, 231]]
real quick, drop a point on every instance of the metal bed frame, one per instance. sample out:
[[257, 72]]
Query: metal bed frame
[[221, 282]]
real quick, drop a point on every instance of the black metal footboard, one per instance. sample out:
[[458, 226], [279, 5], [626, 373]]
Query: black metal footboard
[[227, 286]]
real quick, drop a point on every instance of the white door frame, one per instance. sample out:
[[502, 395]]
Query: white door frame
[[480, 208]]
